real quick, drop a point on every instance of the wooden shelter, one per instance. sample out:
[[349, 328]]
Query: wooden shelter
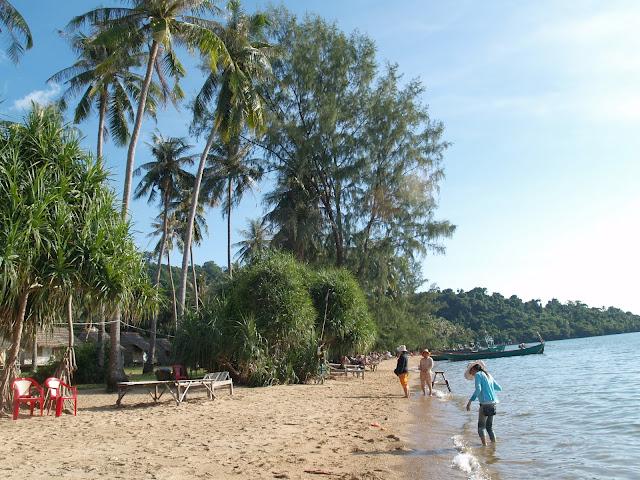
[[135, 347]]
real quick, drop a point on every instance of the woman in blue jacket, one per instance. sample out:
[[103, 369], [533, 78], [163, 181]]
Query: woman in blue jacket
[[485, 392]]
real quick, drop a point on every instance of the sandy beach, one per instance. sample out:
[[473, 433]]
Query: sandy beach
[[347, 428]]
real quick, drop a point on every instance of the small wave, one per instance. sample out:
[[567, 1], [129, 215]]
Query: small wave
[[466, 462], [440, 395]]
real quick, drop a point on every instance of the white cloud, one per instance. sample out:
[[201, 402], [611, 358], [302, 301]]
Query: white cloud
[[42, 97]]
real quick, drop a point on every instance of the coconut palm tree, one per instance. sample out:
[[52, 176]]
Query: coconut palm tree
[[166, 244], [256, 240], [181, 209], [107, 84], [13, 25], [162, 181], [161, 25], [158, 25], [234, 172], [231, 85]]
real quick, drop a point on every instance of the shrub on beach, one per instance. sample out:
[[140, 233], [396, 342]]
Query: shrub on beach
[[265, 327], [343, 320], [271, 318]]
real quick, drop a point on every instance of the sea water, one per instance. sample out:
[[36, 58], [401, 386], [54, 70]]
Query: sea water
[[570, 413]]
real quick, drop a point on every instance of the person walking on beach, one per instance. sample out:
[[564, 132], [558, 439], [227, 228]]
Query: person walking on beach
[[402, 369], [485, 392], [426, 375]]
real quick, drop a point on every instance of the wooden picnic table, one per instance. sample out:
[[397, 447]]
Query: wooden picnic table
[[177, 388]]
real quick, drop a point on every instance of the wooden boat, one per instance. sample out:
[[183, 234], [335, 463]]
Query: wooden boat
[[488, 354], [442, 354]]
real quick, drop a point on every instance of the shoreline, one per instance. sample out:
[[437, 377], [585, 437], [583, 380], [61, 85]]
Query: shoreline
[[347, 429]]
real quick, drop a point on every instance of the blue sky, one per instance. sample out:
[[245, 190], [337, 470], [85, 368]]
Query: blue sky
[[541, 101]]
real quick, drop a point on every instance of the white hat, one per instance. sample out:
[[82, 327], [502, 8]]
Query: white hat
[[401, 348], [467, 373]]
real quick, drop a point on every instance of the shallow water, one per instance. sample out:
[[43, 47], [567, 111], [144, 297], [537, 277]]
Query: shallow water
[[571, 413]]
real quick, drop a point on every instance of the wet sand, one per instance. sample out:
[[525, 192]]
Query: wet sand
[[345, 429], [430, 428]]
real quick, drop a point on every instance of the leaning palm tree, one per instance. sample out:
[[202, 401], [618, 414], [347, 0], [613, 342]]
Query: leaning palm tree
[[161, 25], [13, 25], [107, 84], [233, 171], [157, 25], [163, 178], [256, 240], [231, 85]]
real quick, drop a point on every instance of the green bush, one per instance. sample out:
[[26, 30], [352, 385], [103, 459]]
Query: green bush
[[348, 327], [271, 319], [264, 328], [87, 361]]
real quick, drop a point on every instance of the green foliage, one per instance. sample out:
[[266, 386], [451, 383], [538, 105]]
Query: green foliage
[[349, 327], [87, 361], [356, 155], [512, 320], [264, 329], [43, 372], [199, 337], [270, 305]]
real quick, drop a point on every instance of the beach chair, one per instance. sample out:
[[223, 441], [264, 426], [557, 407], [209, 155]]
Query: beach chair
[[179, 372], [27, 390], [59, 392]]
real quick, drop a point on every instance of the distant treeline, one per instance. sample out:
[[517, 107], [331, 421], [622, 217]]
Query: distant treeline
[[511, 319]]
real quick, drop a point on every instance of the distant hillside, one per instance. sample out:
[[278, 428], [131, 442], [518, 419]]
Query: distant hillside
[[511, 319]]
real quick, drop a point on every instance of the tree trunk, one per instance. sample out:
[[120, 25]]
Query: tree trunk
[[116, 370], [71, 362], [173, 291], [229, 267], [9, 372], [131, 153], [103, 110], [34, 352], [148, 365], [195, 280], [188, 237], [101, 338]]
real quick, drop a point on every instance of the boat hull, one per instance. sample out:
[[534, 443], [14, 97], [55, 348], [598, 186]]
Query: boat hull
[[536, 349]]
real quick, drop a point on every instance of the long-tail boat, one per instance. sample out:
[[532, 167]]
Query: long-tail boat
[[481, 355]]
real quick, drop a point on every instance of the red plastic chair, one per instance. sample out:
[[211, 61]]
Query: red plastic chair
[[179, 372], [26, 390], [59, 392]]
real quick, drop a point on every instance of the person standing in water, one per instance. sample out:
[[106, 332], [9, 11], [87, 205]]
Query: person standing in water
[[485, 392], [426, 375], [402, 369]]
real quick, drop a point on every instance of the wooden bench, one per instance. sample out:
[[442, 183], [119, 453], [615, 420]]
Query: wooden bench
[[339, 369], [178, 388]]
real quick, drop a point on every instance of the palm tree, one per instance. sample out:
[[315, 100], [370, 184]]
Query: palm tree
[[166, 244], [237, 102], [160, 24], [181, 209], [107, 84], [15, 27], [164, 178], [233, 172], [256, 241]]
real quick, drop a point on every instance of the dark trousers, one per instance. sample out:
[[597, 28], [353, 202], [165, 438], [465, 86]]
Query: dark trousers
[[485, 422]]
